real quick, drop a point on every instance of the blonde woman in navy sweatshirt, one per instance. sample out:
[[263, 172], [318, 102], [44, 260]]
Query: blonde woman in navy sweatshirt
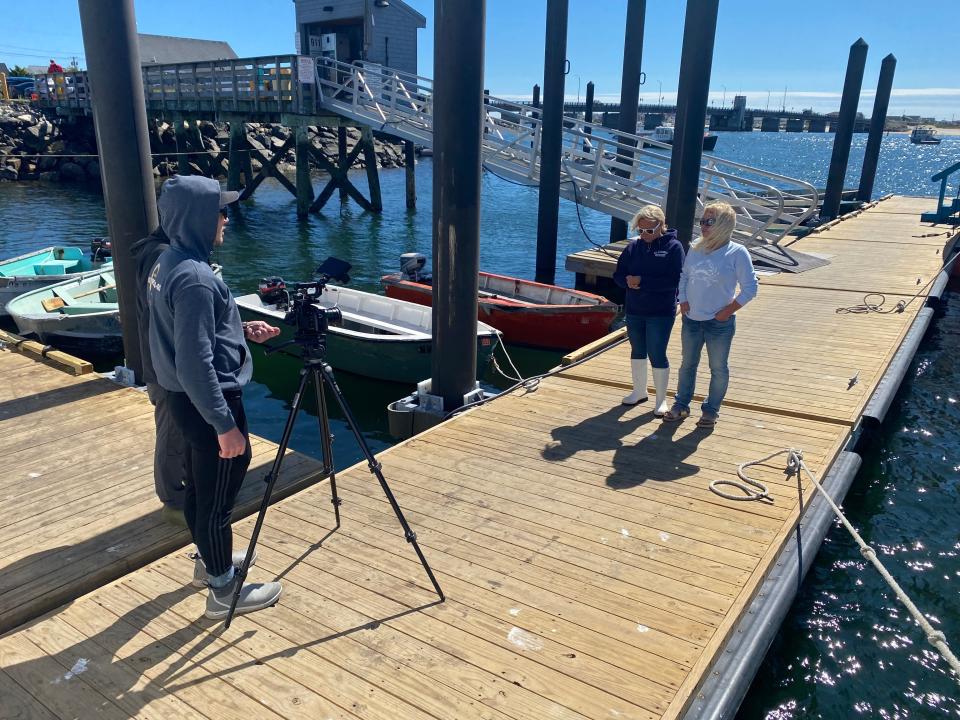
[[649, 270]]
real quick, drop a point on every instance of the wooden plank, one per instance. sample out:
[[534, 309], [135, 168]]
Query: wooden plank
[[39, 351]]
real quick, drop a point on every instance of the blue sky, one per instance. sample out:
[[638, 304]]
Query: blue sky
[[760, 48]]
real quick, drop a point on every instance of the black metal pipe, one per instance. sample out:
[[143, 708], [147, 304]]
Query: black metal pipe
[[551, 140], [123, 141], [457, 133], [878, 120], [696, 59], [856, 62], [629, 90]]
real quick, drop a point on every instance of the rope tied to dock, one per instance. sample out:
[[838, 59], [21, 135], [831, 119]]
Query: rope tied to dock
[[795, 464], [868, 307]]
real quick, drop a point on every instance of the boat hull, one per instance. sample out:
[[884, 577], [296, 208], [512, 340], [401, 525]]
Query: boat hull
[[547, 327], [387, 357], [12, 287], [93, 334], [709, 143]]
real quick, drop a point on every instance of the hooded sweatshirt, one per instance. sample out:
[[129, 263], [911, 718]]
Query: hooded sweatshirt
[[658, 265], [196, 337], [146, 251]]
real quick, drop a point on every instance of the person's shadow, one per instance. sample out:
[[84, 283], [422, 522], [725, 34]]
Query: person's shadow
[[658, 455]]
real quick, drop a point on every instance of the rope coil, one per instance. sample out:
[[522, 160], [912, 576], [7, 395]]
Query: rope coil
[[795, 465]]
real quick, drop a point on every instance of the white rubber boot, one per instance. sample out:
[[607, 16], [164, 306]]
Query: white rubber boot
[[661, 377], [638, 369]]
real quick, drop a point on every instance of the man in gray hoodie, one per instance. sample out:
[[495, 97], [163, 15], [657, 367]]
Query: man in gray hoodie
[[200, 358]]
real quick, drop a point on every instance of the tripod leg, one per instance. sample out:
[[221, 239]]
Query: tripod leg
[[375, 468], [271, 480], [326, 440]]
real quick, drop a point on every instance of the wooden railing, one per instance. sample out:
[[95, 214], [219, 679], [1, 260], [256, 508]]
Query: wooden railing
[[245, 85]]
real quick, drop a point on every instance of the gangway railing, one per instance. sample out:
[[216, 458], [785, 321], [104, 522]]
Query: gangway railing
[[610, 171]]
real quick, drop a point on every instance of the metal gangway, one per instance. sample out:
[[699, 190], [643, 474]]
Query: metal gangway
[[610, 171]]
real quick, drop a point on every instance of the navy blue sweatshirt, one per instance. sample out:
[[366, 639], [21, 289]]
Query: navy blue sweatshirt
[[658, 264], [196, 337]]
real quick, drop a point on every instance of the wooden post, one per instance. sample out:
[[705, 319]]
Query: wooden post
[[342, 157], [410, 162], [373, 177], [180, 134], [237, 153], [304, 186]]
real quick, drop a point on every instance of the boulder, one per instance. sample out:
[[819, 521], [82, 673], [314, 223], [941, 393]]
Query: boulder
[[71, 172], [34, 138]]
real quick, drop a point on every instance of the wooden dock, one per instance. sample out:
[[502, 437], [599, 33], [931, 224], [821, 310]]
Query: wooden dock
[[77, 501], [590, 571]]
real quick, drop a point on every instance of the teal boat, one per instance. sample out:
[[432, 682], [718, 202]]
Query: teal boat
[[80, 316], [43, 268], [379, 337]]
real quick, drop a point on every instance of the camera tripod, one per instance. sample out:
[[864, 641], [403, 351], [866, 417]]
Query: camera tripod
[[317, 372]]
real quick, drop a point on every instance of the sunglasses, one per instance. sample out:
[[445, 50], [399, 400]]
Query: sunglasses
[[709, 222], [648, 231]]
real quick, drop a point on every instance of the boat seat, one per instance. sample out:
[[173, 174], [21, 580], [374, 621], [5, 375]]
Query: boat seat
[[55, 267], [85, 309]]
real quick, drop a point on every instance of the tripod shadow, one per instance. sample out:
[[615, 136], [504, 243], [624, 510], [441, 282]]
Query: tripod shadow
[[659, 456]]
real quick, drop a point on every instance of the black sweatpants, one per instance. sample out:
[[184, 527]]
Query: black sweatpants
[[168, 469], [212, 482]]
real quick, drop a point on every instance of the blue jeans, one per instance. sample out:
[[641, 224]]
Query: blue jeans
[[650, 335], [717, 336]]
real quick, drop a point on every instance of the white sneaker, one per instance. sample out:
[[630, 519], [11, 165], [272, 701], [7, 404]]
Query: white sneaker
[[200, 570], [253, 597]]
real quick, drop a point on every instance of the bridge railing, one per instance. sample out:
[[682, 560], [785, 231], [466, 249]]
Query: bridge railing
[[610, 171], [266, 84]]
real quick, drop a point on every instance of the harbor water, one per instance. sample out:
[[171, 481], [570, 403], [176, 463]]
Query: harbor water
[[847, 649]]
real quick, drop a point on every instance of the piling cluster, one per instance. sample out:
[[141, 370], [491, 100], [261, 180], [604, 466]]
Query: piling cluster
[[34, 146]]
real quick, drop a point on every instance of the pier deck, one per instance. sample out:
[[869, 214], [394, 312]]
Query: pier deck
[[77, 502], [590, 572]]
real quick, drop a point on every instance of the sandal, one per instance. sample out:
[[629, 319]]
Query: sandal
[[676, 414], [707, 420]]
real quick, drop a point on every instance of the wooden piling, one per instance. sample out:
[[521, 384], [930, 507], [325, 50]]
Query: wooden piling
[[304, 186], [373, 177], [342, 158], [410, 161], [237, 154]]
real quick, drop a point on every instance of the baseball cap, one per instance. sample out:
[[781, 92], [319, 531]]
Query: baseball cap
[[228, 197]]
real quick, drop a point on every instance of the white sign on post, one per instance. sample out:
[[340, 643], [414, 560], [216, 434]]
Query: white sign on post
[[305, 69]]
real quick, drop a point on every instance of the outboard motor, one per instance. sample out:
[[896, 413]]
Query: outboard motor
[[273, 291], [410, 266], [100, 249]]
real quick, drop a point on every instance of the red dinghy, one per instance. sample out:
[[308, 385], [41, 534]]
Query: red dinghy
[[526, 312]]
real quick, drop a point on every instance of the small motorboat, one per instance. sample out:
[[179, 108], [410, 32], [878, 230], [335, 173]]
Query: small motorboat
[[378, 337], [80, 316], [924, 135], [46, 267], [526, 312], [664, 134]]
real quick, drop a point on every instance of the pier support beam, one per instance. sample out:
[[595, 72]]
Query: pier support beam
[[696, 59], [846, 118], [304, 186], [629, 91], [458, 38], [878, 118], [373, 176], [239, 157], [342, 158], [410, 163], [551, 140], [120, 118]]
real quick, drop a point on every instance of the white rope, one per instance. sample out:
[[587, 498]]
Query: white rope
[[528, 383], [794, 463]]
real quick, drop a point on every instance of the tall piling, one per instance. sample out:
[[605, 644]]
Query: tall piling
[[457, 131], [342, 158], [551, 140], [588, 114], [696, 59], [373, 175], [410, 167], [304, 184], [236, 153], [629, 92], [120, 120], [878, 119], [846, 118]]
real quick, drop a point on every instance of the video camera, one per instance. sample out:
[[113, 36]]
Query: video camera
[[300, 301]]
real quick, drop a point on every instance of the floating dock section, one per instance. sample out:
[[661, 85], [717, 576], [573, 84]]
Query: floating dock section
[[589, 570]]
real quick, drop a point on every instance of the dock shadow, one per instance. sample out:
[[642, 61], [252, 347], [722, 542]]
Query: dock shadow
[[57, 397], [659, 456]]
